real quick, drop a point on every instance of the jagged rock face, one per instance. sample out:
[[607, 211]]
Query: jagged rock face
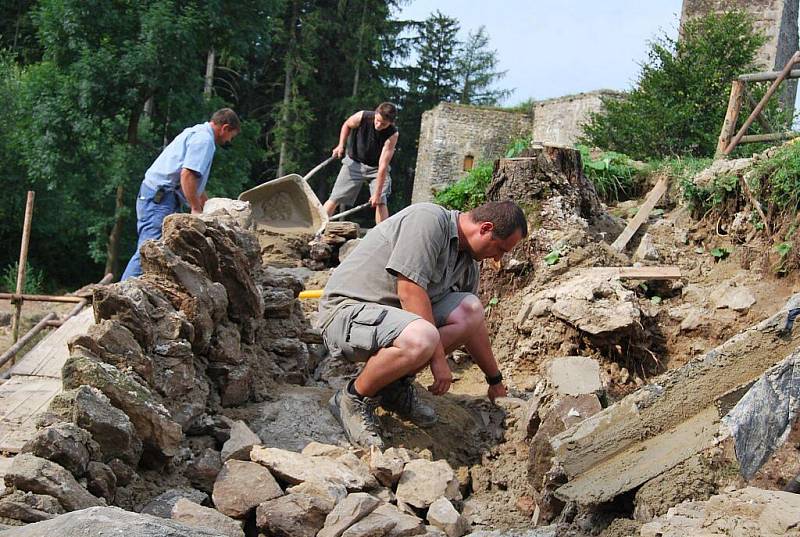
[[63, 443], [40, 476], [110, 427], [29, 507], [104, 521]]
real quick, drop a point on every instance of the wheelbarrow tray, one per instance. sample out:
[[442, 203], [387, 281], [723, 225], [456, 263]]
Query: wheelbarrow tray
[[286, 205]]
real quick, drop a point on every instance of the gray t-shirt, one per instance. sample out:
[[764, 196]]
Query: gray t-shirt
[[421, 243]]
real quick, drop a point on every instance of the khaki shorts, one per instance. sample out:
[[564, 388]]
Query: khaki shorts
[[350, 179], [357, 331]]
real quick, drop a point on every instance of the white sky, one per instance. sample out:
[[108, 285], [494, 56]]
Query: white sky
[[554, 48]]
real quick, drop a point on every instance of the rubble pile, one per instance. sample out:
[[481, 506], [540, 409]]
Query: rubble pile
[[332, 245], [205, 328]]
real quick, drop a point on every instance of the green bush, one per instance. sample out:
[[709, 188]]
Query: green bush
[[780, 177], [611, 173], [34, 279], [470, 191], [681, 96]]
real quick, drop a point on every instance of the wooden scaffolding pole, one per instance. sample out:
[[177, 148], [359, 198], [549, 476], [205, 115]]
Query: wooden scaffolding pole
[[23, 260]]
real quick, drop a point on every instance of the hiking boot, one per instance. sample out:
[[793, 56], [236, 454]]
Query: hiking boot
[[357, 418], [401, 397]]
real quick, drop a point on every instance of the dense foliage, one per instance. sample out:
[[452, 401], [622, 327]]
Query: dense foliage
[[91, 91], [681, 96]]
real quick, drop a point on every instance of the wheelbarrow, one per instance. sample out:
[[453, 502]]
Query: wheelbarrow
[[288, 205]]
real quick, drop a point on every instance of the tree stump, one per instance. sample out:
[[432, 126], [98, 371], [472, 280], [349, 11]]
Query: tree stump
[[548, 183]]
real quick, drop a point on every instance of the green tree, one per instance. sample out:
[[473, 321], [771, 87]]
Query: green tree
[[476, 66], [681, 95]]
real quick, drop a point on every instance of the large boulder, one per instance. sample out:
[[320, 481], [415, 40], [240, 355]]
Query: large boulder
[[40, 476], [106, 521], [110, 427], [152, 420]]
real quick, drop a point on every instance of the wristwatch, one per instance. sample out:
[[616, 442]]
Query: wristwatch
[[497, 379]]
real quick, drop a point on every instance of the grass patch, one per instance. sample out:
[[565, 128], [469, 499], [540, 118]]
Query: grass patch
[[613, 174]]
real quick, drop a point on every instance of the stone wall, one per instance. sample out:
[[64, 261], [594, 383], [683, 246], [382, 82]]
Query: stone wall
[[776, 19], [558, 121], [452, 134]]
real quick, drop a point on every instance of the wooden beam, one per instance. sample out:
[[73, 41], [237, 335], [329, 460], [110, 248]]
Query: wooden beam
[[14, 349], [23, 262], [767, 75], [644, 212], [762, 103], [731, 115], [769, 137], [41, 298]]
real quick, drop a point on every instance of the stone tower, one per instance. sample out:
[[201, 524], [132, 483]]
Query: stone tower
[[776, 19]]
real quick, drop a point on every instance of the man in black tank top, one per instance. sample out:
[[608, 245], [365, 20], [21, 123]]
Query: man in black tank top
[[369, 152]]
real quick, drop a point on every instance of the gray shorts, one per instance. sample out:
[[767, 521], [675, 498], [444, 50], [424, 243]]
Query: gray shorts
[[357, 331], [350, 179]]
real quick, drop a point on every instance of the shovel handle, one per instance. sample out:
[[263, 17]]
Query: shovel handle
[[350, 211], [317, 168]]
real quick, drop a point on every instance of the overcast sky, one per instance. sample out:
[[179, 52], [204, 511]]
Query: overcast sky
[[552, 48]]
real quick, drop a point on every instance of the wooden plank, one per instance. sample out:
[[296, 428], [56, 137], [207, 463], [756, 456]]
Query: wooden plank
[[22, 399], [767, 75], [641, 273], [41, 298], [731, 115], [48, 356], [644, 212], [769, 137]]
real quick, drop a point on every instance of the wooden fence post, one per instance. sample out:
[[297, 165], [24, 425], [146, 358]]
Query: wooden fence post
[[23, 260], [729, 125]]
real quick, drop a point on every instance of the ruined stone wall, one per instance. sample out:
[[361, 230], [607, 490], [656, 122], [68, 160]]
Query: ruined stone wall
[[776, 19], [558, 121], [450, 133]]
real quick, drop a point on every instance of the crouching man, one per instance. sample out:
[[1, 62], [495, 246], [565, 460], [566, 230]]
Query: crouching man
[[403, 300]]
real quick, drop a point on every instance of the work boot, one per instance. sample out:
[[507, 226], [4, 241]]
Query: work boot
[[357, 417], [401, 397]]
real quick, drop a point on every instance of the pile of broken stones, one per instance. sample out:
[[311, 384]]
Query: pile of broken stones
[[141, 422]]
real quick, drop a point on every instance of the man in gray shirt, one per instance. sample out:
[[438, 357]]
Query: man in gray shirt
[[404, 299]]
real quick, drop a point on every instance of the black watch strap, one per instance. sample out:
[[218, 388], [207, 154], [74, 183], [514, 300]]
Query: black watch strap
[[497, 379]]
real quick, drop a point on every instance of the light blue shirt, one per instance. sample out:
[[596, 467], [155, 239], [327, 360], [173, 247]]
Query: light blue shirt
[[192, 149]]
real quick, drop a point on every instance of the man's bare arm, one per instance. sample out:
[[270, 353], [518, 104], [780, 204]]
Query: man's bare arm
[[415, 299], [387, 152], [350, 123], [189, 180]]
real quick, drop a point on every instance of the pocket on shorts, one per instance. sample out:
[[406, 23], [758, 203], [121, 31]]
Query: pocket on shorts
[[363, 333]]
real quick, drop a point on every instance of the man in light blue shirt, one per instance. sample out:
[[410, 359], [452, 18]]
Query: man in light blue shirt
[[178, 177]]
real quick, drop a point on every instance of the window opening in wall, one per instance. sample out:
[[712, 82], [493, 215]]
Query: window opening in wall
[[469, 162]]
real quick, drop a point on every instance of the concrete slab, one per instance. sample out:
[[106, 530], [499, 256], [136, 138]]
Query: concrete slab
[[574, 375]]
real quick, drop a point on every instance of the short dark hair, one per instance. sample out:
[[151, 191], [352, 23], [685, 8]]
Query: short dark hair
[[506, 216], [226, 116], [387, 111]]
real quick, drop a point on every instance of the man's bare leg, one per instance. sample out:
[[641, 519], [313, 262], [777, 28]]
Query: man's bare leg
[[381, 213], [409, 353]]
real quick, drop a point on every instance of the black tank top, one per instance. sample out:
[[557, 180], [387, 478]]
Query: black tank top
[[366, 142]]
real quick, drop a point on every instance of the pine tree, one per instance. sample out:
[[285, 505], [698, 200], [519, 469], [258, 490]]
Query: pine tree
[[476, 68], [436, 77]]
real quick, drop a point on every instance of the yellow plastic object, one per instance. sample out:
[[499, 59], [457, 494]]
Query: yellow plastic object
[[310, 293]]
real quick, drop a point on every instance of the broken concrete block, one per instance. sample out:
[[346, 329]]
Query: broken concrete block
[[423, 482], [40, 476], [296, 515], [240, 442], [197, 516], [444, 516], [647, 250], [575, 375], [241, 486], [347, 512]]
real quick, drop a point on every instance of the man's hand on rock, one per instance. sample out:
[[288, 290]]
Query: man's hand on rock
[[497, 390], [442, 376]]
